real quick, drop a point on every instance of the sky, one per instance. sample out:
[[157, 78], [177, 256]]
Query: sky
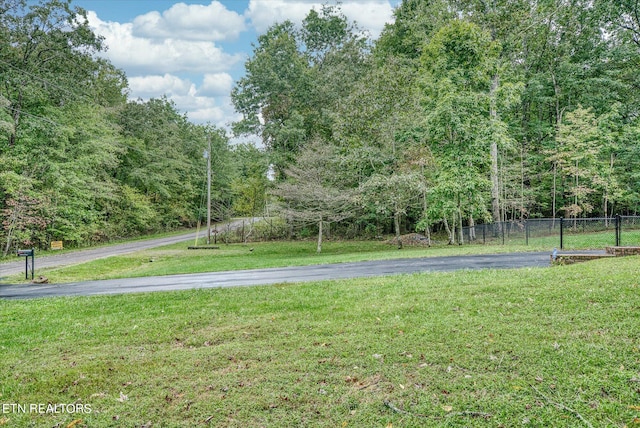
[[194, 51]]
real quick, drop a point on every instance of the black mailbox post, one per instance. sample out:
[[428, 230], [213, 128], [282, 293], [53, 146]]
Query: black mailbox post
[[26, 254]]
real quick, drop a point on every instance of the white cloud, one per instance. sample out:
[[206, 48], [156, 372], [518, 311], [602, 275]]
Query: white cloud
[[137, 55], [146, 87], [217, 84], [200, 104], [190, 22], [264, 13], [174, 52], [217, 111], [215, 115], [370, 15]]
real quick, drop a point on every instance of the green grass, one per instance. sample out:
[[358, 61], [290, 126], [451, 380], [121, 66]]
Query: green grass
[[532, 347], [177, 259]]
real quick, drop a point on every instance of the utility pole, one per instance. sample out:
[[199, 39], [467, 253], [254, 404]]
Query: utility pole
[[209, 190]]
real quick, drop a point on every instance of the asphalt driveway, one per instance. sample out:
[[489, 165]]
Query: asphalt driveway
[[278, 275]]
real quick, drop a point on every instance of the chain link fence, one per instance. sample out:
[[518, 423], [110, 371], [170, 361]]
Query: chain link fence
[[564, 234], [629, 231], [574, 233]]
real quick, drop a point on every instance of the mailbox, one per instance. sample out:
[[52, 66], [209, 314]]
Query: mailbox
[[26, 254]]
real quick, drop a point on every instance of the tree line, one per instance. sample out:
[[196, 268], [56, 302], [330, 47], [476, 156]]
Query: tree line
[[80, 161], [462, 111]]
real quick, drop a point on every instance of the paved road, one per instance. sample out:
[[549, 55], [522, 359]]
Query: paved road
[[86, 255], [278, 275]]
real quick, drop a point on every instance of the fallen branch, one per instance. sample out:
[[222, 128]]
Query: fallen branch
[[403, 412], [470, 414], [563, 407], [369, 384], [449, 415]]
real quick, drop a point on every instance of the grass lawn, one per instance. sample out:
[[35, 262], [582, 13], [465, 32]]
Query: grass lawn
[[534, 347]]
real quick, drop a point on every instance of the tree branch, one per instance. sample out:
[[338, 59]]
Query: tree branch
[[563, 407], [449, 415], [403, 412]]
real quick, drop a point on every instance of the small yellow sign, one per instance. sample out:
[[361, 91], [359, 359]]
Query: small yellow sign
[[56, 245]]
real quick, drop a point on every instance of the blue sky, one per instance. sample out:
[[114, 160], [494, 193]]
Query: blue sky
[[193, 51]]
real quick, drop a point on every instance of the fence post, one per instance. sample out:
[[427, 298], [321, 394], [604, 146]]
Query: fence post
[[484, 233], [562, 233], [618, 229], [526, 232]]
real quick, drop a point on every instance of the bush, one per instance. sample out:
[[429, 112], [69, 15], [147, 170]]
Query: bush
[[272, 228]]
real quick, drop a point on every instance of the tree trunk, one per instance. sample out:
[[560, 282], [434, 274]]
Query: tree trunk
[[472, 229], [553, 195], [427, 229], [319, 249], [606, 192], [460, 229], [523, 211], [10, 227], [448, 229], [427, 232], [9, 240], [576, 199], [453, 229], [396, 225]]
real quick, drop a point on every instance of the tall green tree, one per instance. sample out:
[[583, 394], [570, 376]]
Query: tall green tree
[[272, 94], [163, 160], [577, 157], [251, 182], [457, 69], [295, 81], [47, 51], [338, 58], [58, 104], [415, 21], [80, 163]]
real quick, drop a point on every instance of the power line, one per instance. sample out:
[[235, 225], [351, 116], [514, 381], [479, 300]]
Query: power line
[[73, 94], [44, 119], [65, 90], [115, 143], [49, 83]]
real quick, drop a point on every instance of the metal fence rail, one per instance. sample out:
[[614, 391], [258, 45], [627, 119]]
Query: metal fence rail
[[589, 232], [573, 233], [628, 231]]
